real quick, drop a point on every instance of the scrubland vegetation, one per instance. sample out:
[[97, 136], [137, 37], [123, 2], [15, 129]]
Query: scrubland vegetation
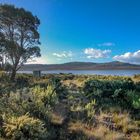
[[69, 107]]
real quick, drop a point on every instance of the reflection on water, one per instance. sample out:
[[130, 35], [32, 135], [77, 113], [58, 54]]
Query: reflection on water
[[91, 72]]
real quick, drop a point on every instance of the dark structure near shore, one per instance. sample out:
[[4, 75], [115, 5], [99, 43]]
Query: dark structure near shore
[[37, 73]]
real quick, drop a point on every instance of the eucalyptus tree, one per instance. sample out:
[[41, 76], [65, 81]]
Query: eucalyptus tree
[[1, 51], [19, 32]]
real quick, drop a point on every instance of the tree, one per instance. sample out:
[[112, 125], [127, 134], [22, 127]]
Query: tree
[[19, 30], [1, 51]]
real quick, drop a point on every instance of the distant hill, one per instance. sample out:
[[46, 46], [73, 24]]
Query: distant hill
[[115, 65]]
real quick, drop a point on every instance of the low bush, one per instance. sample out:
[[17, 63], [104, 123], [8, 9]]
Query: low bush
[[23, 80], [133, 98], [4, 77], [101, 89], [24, 127]]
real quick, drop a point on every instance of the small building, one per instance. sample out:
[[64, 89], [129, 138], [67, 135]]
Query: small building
[[37, 73]]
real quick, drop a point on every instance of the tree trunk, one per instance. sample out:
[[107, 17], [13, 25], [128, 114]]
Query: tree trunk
[[13, 74]]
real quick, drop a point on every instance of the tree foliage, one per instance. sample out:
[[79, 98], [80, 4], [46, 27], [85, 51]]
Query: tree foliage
[[19, 36]]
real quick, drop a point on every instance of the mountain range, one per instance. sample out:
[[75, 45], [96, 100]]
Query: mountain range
[[115, 65]]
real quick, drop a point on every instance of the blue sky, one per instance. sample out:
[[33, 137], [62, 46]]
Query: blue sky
[[86, 30]]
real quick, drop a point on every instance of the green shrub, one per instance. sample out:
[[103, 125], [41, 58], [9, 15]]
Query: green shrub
[[138, 86], [60, 90], [134, 99], [4, 77], [106, 88], [40, 102], [90, 109], [24, 127], [47, 96], [23, 80]]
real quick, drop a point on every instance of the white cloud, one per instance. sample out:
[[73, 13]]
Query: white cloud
[[64, 54], [39, 60], [130, 57], [96, 53], [107, 44]]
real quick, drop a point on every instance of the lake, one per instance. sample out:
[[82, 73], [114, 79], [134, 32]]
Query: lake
[[91, 72]]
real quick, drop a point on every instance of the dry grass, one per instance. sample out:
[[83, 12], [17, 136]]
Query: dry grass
[[103, 133], [75, 82], [57, 119], [81, 127], [135, 136], [122, 121], [136, 78], [98, 133]]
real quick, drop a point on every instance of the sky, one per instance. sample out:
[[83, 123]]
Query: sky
[[86, 30]]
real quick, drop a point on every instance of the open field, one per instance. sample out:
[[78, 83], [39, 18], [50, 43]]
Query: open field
[[70, 107]]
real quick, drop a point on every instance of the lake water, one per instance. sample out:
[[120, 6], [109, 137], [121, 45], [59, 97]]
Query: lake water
[[91, 72]]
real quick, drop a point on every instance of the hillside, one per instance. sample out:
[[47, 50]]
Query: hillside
[[115, 65]]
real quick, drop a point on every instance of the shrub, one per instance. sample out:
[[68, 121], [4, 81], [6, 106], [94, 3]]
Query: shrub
[[108, 89], [47, 96], [40, 102], [23, 80], [12, 104], [58, 87], [138, 86], [4, 76], [89, 107], [24, 127], [134, 99]]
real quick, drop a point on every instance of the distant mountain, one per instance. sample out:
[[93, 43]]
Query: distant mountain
[[115, 65]]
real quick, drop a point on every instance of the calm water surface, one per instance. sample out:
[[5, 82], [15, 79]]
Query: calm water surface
[[91, 72]]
